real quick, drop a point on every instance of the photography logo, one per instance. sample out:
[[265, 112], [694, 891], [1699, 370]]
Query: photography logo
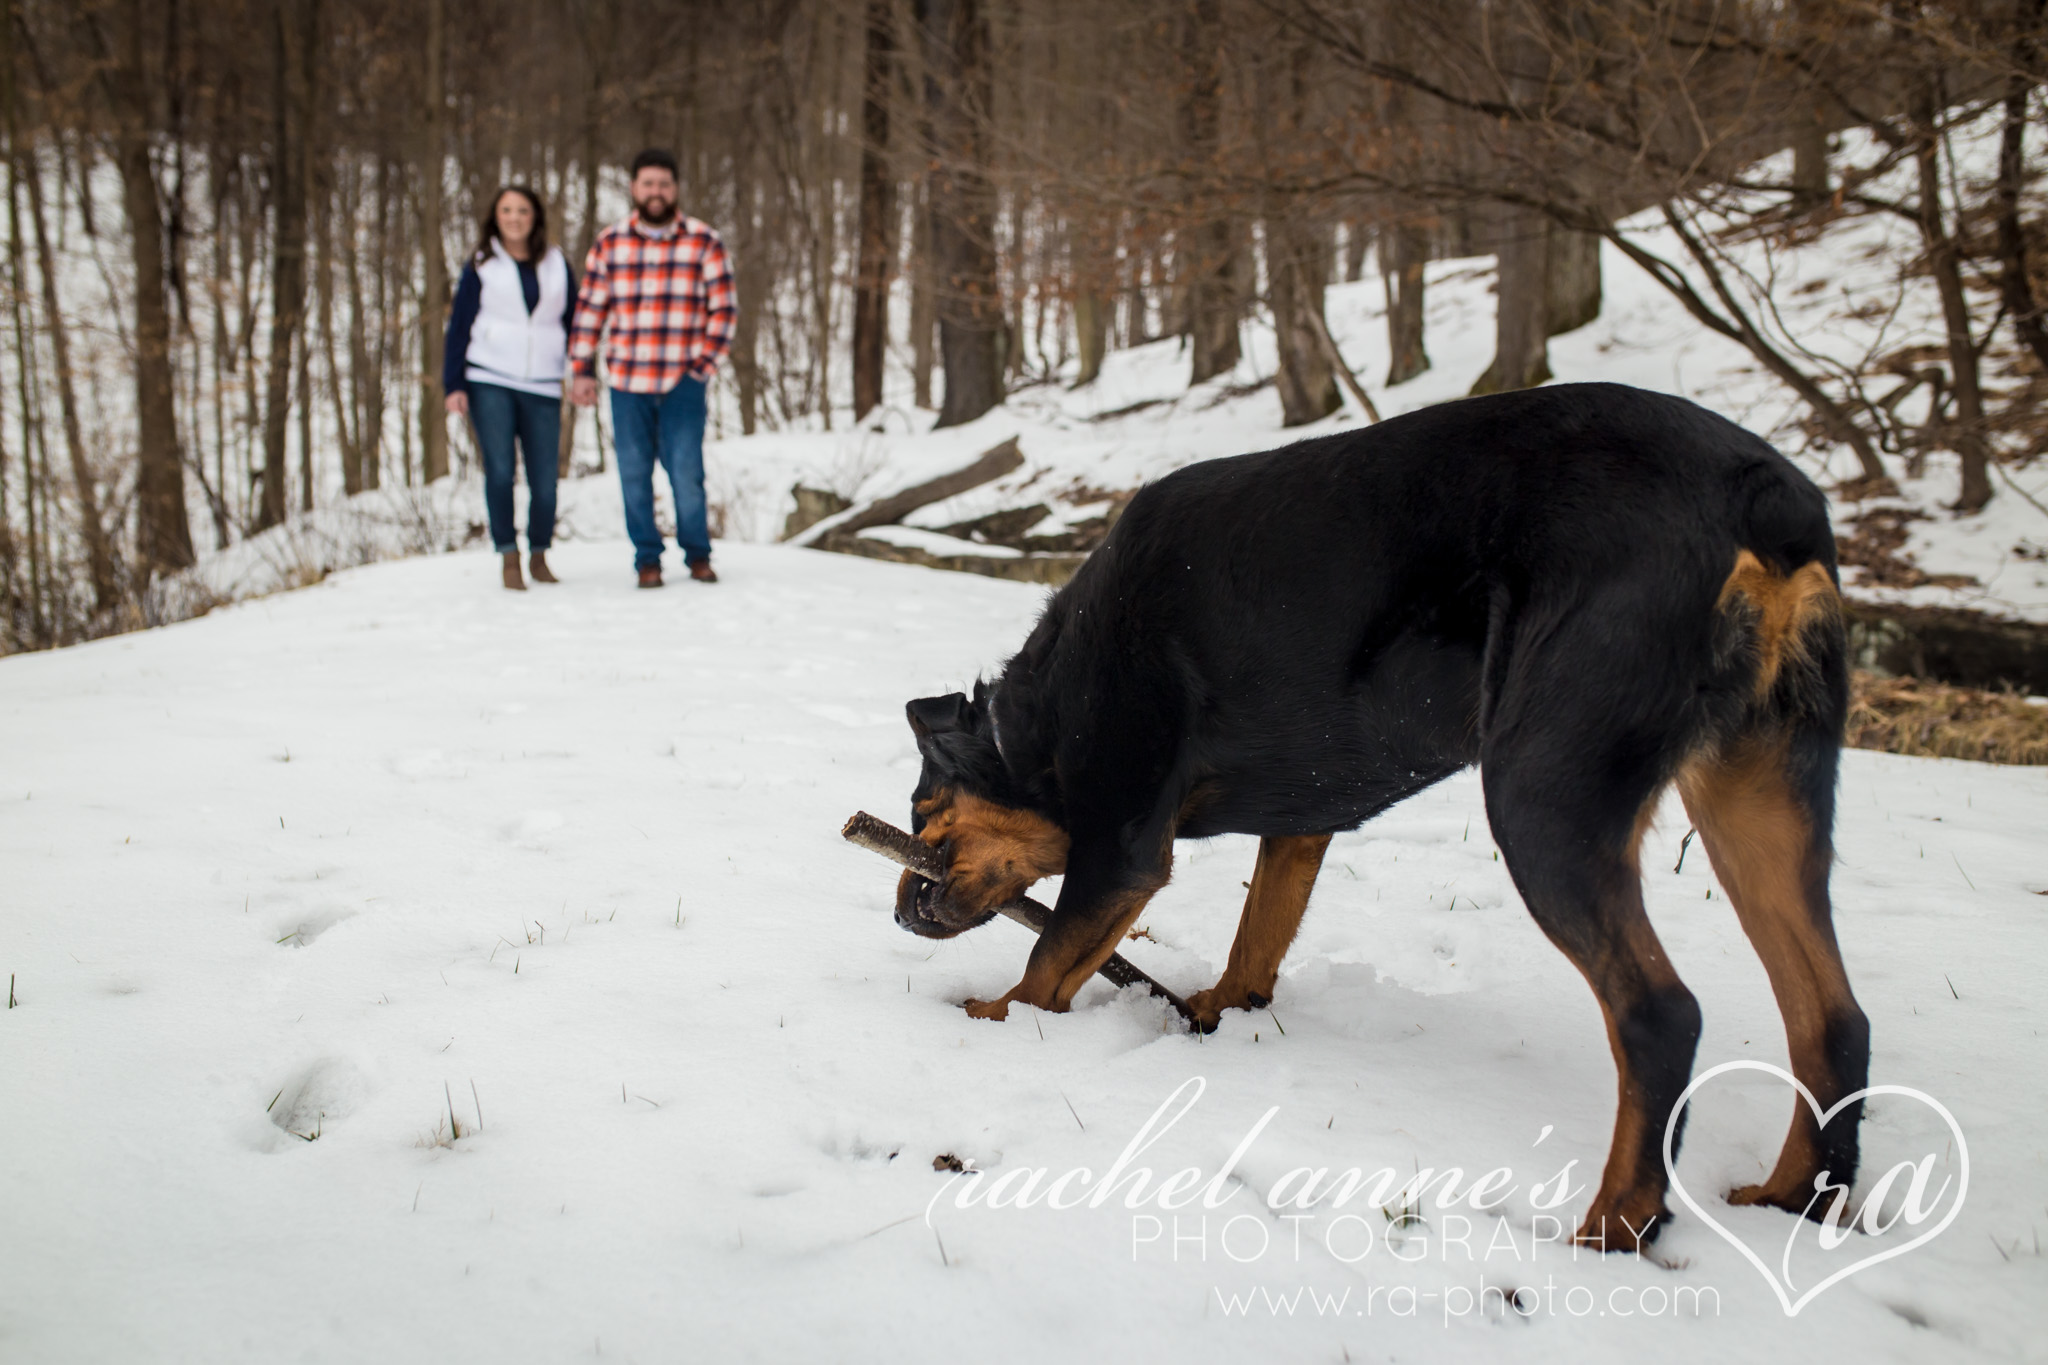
[[1913, 1206]]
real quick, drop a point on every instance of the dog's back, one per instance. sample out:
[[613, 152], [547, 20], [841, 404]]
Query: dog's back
[[1356, 605]]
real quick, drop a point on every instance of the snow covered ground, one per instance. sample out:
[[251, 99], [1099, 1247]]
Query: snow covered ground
[[285, 884]]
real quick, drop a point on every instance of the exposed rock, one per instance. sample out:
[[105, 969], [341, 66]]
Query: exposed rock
[[813, 505]]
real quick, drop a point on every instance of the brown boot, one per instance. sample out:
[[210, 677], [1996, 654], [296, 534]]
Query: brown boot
[[537, 565], [650, 576], [512, 578], [702, 572]]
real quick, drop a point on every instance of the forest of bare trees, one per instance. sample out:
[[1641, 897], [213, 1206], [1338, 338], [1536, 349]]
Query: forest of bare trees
[[232, 225]]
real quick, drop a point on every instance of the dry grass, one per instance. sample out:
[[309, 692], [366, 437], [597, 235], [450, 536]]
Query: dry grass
[[1931, 719]]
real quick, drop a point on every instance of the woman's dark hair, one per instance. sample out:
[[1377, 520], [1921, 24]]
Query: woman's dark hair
[[536, 242]]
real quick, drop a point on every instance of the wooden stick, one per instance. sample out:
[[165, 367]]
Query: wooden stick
[[879, 836]]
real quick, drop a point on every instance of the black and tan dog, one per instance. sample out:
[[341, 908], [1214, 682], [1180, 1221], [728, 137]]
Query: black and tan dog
[[1588, 590]]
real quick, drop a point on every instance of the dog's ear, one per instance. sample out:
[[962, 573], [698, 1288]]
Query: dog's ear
[[939, 715]]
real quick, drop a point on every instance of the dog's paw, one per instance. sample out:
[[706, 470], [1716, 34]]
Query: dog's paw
[[1207, 1010], [988, 1009], [1208, 1006], [1770, 1196]]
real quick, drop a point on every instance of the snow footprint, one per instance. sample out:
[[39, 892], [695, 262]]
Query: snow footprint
[[533, 827], [328, 1089], [300, 930]]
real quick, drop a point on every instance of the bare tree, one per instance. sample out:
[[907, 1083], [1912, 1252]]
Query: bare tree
[[434, 270], [962, 203], [1210, 246], [294, 41], [163, 531], [877, 211]]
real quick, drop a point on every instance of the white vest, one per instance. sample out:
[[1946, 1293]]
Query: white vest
[[509, 346]]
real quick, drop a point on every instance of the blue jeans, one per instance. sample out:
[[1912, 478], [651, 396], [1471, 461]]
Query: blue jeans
[[501, 414], [668, 427]]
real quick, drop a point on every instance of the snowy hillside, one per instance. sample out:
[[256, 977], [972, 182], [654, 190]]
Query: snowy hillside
[[1845, 295], [287, 885], [1140, 420]]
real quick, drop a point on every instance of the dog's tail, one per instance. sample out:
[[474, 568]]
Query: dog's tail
[[1779, 624]]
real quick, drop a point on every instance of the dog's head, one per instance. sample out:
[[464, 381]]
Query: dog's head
[[966, 807]]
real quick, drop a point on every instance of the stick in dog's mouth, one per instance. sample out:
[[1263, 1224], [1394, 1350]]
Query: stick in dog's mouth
[[907, 850]]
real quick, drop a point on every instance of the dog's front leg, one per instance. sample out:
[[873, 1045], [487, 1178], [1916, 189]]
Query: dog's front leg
[[1272, 916], [1092, 917]]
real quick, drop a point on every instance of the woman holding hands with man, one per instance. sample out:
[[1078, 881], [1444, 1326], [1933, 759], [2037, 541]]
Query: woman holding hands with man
[[658, 289]]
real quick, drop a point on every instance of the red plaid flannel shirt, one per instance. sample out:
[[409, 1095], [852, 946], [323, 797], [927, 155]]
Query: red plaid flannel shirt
[[668, 297]]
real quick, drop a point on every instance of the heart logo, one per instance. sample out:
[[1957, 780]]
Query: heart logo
[[1781, 1285]]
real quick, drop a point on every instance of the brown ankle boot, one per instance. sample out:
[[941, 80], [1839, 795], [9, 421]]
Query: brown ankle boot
[[537, 565], [512, 578]]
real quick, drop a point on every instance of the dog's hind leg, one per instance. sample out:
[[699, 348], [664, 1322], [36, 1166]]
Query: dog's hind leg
[[1771, 850], [1572, 778], [1272, 915]]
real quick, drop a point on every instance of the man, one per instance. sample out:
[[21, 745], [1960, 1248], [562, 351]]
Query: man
[[662, 282]]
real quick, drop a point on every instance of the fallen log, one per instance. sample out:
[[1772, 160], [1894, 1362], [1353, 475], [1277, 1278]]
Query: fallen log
[[1958, 646], [879, 836], [1053, 570], [992, 464]]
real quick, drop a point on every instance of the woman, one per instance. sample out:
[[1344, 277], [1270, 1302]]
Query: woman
[[508, 342]]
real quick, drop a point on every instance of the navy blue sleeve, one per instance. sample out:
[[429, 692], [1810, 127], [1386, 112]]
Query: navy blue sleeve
[[469, 296]]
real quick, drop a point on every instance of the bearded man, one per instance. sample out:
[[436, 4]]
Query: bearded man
[[661, 282]]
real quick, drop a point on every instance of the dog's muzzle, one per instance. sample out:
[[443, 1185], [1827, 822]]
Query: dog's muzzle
[[924, 909]]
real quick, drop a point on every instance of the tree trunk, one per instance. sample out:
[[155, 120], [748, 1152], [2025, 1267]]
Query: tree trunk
[[1406, 248], [1212, 302], [223, 358], [369, 355], [1944, 263], [434, 299], [1572, 280], [968, 300], [1522, 312], [877, 214], [922, 312], [163, 532], [305, 419], [752, 273], [1143, 273], [1012, 355], [595, 31], [2015, 280], [1296, 267], [293, 35], [99, 550], [1356, 241], [1810, 157], [1209, 278], [1092, 314], [343, 204], [24, 364]]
